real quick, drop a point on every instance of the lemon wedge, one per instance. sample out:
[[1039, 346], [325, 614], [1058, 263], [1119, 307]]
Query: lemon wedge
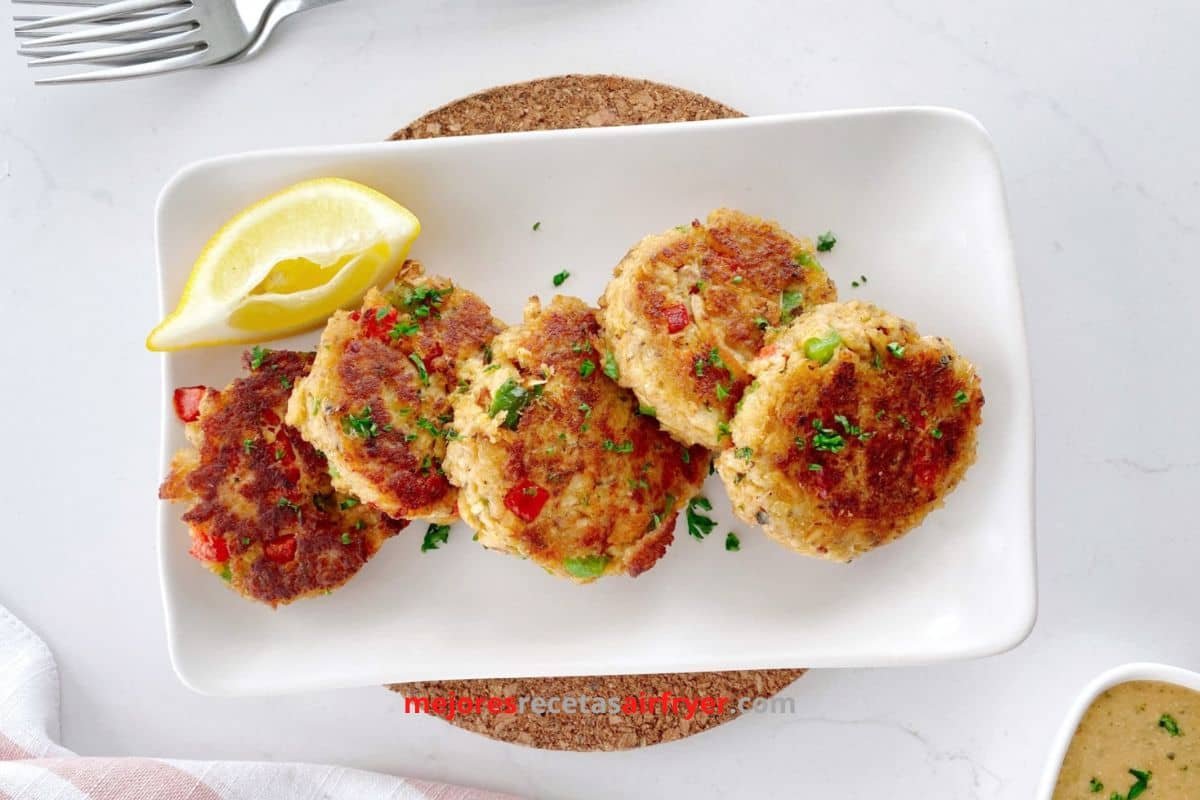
[[286, 263]]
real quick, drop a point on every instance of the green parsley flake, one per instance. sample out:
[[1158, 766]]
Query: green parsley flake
[[512, 398], [896, 349], [435, 536], [960, 398], [610, 365], [806, 259], [1141, 785], [560, 278], [248, 445], [347, 538], [736, 279], [732, 543], [647, 411], [826, 440], [714, 358], [403, 328], [361, 425], [257, 354], [285, 381], [586, 409], [722, 392], [762, 323], [348, 503], [826, 241], [537, 225], [744, 453], [1168, 724], [422, 373], [722, 429], [936, 433], [699, 525], [1095, 785], [815, 468], [624, 447], [226, 573], [586, 368]]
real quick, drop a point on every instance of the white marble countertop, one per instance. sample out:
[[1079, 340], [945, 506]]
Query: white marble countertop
[[1094, 116]]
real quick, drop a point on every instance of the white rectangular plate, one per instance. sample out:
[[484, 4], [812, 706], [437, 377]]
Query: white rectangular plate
[[916, 199]]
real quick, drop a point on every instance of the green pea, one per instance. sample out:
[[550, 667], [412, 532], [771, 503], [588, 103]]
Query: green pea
[[586, 566], [821, 350]]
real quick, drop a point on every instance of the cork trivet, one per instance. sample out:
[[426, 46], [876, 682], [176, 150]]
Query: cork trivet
[[582, 101]]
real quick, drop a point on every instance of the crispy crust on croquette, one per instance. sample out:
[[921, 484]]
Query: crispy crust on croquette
[[836, 459], [377, 401], [730, 280], [258, 492], [614, 480]]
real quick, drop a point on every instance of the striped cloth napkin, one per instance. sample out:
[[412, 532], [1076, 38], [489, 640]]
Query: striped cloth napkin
[[32, 765]]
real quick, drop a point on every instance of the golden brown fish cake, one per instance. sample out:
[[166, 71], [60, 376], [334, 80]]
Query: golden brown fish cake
[[377, 401], [554, 460], [261, 510], [855, 428], [688, 309]]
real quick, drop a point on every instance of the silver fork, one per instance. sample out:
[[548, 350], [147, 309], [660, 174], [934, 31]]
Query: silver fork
[[130, 38]]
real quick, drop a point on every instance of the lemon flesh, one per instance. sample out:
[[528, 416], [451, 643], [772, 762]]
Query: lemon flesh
[[286, 263]]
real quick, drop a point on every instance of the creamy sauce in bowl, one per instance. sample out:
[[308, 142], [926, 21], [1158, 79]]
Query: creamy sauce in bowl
[[1137, 739]]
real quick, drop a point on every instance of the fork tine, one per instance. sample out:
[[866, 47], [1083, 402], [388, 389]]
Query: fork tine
[[145, 48], [109, 32], [95, 13], [131, 71]]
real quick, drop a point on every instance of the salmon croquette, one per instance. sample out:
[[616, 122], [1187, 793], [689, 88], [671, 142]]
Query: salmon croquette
[[559, 464], [261, 509], [377, 401], [854, 429], [688, 309]]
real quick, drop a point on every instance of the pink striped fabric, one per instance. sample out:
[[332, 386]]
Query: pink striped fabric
[[33, 766]]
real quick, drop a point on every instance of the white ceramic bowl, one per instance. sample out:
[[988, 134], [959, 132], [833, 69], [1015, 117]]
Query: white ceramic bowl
[[1140, 671]]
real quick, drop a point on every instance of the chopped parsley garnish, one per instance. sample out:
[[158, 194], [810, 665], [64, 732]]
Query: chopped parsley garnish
[[512, 398], [862, 279], [624, 447], [826, 440], [714, 358], [226, 573], [815, 468], [285, 381], [647, 411], [419, 300], [732, 543], [722, 429], [245, 541], [347, 538], [257, 354], [561, 278], [610, 365], [699, 525], [960, 398], [1168, 724], [826, 241], [248, 445], [586, 409], [586, 368], [285, 503], [686, 455], [432, 429], [1095, 785], [851, 429], [903, 420], [700, 365], [762, 323], [735, 280], [722, 392], [537, 225], [1140, 786], [789, 302], [403, 328], [422, 373], [487, 354], [896, 349], [435, 536], [936, 433], [744, 453], [278, 453], [348, 503], [361, 425]]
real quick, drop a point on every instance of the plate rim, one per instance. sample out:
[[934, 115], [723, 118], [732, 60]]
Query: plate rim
[[1019, 625]]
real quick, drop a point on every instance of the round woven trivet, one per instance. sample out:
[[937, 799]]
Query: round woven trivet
[[581, 101]]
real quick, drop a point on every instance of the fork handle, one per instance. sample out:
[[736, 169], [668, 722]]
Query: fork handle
[[277, 13]]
